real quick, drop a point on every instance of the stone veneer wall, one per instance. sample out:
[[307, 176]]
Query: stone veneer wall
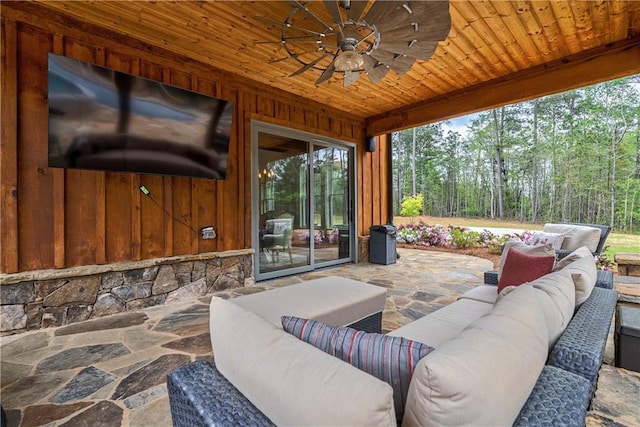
[[363, 249], [45, 298]]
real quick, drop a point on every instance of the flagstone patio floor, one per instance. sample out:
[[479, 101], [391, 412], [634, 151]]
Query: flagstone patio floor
[[111, 371]]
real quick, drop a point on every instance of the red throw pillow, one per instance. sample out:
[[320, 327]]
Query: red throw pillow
[[521, 268]]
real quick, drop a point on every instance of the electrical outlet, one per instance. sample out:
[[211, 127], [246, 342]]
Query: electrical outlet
[[208, 232]]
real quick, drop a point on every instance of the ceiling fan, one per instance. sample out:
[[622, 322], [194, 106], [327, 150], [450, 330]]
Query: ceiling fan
[[352, 36]]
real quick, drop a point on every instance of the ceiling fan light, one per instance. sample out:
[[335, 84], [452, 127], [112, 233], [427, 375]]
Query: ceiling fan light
[[348, 61]]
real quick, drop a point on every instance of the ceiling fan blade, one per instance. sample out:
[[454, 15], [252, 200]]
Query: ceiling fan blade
[[292, 56], [375, 70], [298, 39], [350, 77], [398, 63], [284, 24], [305, 9], [328, 72], [309, 65], [389, 15], [402, 64], [334, 10], [416, 48], [356, 7], [420, 31], [380, 10], [383, 56]]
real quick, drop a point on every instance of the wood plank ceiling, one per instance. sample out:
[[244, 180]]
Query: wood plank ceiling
[[488, 40]]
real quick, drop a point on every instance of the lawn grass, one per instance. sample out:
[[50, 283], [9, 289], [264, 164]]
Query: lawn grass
[[616, 242]]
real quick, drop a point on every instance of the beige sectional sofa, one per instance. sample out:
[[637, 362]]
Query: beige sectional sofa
[[488, 366]]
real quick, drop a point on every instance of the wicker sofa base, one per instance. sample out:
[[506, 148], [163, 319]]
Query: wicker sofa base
[[371, 323], [199, 395], [559, 398], [604, 278]]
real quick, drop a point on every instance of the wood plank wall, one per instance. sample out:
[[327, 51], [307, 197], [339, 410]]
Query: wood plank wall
[[56, 218]]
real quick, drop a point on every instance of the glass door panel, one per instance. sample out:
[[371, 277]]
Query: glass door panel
[[283, 203], [303, 198], [331, 207]]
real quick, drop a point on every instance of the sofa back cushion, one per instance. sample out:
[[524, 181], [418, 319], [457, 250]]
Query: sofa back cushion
[[556, 294], [576, 236], [542, 238], [388, 358], [584, 272], [291, 382], [484, 375]]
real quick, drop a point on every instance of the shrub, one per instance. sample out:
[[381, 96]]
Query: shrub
[[465, 239], [494, 245], [603, 262], [411, 206], [437, 235], [423, 234]]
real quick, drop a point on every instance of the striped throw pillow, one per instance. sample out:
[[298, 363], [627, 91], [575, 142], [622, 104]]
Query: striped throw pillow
[[390, 359]]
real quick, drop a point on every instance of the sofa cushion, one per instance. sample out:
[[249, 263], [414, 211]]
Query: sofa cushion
[[520, 268], [556, 294], [290, 381], [540, 250], [583, 270], [483, 375], [444, 323], [391, 359], [576, 236], [482, 293]]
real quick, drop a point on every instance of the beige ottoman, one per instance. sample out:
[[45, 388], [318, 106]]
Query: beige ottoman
[[333, 300]]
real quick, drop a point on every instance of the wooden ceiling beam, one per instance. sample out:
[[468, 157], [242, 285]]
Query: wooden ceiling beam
[[604, 63]]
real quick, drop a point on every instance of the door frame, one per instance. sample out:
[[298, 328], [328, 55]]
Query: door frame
[[310, 139]]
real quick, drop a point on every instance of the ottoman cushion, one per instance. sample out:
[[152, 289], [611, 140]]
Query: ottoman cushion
[[333, 300]]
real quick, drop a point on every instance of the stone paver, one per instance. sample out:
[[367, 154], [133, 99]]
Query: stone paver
[[83, 385], [81, 356], [111, 371], [149, 375]]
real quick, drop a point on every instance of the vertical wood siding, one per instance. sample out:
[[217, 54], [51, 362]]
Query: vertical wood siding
[[55, 218]]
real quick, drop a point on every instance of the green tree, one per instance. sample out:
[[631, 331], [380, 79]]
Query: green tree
[[412, 206], [573, 156]]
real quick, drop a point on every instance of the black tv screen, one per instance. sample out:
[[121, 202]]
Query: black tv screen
[[102, 119]]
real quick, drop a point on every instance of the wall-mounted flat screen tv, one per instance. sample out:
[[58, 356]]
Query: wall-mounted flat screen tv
[[102, 119]]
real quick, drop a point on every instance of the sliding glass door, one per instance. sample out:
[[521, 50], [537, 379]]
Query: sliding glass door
[[332, 206], [303, 201]]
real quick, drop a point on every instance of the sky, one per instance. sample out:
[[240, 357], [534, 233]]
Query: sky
[[459, 124]]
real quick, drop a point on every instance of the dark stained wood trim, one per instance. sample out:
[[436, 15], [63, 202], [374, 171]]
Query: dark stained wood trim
[[608, 62], [136, 194], [167, 188], [9, 149], [135, 218], [385, 170], [101, 199], [59, 240], [194, 214]]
